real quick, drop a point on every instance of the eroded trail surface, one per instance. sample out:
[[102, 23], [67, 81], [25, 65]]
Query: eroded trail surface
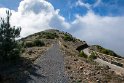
[[50, 67]]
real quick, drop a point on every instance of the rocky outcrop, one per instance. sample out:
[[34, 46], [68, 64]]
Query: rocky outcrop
[[81, 47]]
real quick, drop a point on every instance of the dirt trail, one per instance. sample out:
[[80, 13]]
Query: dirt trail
[[50, 67]]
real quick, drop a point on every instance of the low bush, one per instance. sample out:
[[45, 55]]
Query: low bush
[[28, 44], [34, 43], [78, 81], [38, 43], [23, 50], [106, 51], [82, 54], [92, 56], [49, 35], [68, 37]]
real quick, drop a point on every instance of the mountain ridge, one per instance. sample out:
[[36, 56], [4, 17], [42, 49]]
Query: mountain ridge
[[83, 63], [93, 47]]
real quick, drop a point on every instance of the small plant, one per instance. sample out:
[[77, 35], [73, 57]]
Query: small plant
[[79, 81], [49, 35], [106, 51], [29, 44], [38, 43], [68, 37], [82, 54], [34, 43], [92, 56], [23, 50]]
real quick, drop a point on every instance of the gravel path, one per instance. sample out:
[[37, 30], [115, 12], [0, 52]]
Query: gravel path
[[50, 67]]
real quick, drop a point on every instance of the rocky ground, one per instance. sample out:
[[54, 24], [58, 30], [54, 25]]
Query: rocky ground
[[81, 70]]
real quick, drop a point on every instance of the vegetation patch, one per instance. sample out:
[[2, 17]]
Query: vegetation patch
[[28, 44], [34, 43], [68, 37], [78, 81], [92, 56], [9, 47], [82, 54], [38, 42], [49, 35], [106, 51]]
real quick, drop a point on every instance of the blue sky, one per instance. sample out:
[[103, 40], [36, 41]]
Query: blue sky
[[95, 21], [11, 4], [68, 8], [105, 8]]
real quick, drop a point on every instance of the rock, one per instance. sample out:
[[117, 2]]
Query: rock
[[68, 67], [75, 59], [81, 68], [98, 72], [71, 77]]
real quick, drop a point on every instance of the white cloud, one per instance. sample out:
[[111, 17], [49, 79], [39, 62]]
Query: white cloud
[[35, 6], [58, 21], [80, 3], [34, 16], [87, 5], [3, 12], [106, 31], [37, 15]]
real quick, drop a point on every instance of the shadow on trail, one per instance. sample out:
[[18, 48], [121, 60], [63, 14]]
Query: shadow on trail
[[19, 72]]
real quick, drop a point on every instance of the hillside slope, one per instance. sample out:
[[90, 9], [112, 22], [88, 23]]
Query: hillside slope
[[83, 69], [82, 63]]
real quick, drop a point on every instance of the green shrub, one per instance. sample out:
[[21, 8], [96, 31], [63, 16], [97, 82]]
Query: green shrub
[[68, 37], [34, 43], [106, 51], [23, 50], [29, 44], [9, 47], [38, 43], [92, 56], [49, 35], [82, 54], [79, 81]]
